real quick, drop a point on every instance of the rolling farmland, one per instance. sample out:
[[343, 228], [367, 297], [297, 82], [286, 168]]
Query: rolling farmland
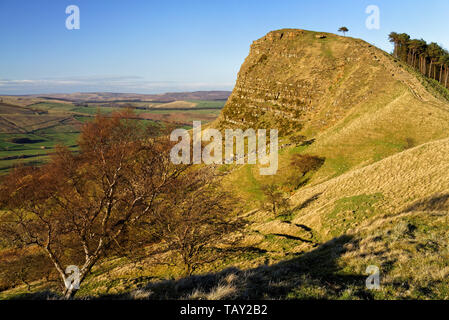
[[30, 130]]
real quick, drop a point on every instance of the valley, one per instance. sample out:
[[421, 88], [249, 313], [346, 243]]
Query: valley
[[30, 127]]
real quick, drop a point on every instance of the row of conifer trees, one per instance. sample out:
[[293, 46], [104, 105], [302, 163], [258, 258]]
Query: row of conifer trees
[[430, 59]]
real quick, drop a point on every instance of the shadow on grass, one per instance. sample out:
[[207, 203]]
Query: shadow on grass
[[309, 201], [289, 237], [297, 278], [435, 203], [312, 275]]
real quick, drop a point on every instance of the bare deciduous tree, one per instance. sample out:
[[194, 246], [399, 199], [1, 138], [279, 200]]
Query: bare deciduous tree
[[275, 200], [78, 208], [23, 266], [199, 217]]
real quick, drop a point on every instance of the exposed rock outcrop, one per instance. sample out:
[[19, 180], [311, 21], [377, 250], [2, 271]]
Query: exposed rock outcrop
[[297, 78]]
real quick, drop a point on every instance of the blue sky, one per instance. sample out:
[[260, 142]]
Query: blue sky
[[146, 46]]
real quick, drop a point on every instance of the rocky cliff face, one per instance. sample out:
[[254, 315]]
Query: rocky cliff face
[[297, 79]]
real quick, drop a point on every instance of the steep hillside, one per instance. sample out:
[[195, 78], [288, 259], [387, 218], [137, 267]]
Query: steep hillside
[[306, 80], [384, 134], [380, 197], [356, 102]]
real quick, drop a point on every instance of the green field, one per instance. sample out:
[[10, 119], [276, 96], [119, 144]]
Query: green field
[[29, 134]]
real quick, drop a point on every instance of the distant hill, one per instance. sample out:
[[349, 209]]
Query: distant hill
[[30, 126], [99, 97]]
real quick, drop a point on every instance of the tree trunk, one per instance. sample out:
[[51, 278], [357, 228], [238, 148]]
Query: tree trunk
[[69, 294], [447, 74], [189, 270], [434, 71]]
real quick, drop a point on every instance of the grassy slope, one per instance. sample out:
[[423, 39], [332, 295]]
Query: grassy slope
[[383, 186], [380, 199]]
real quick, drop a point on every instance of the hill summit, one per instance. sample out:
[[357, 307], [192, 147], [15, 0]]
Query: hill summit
[[301, 79], [356, 102]]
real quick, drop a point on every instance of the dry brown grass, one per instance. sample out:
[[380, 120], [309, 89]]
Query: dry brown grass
[[176, 105], [402, 179]]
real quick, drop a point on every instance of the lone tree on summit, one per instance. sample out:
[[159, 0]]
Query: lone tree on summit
[[344, 30]]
